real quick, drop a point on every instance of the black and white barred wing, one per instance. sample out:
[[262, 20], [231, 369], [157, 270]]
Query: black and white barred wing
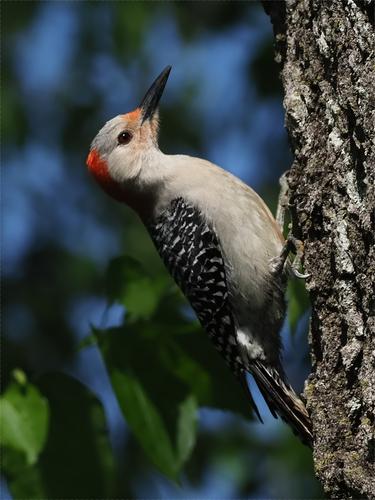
[[191, 252]]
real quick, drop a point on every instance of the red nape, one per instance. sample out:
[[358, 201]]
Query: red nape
[[99, 169]]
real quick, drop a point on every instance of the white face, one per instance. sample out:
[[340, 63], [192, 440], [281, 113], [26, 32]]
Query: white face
[[122, 145]]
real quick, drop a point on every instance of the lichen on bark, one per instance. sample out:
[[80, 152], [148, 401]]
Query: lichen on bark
[[326, 52]]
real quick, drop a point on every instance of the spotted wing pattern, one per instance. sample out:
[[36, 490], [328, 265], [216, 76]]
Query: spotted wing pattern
[[191, 252]]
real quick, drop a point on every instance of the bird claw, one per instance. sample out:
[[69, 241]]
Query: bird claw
[[282, 263], [299, 275], [294, 268]]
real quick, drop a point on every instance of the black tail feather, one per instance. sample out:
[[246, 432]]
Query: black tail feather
[[252, 402], [282, 400]]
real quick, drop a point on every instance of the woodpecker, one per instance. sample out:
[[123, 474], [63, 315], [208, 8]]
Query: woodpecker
[[217, 239]]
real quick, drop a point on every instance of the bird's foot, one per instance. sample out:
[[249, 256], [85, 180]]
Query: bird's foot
[[297, 261], [281, 263]]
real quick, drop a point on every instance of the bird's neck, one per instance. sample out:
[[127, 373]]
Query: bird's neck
[[140, 192], [141, 201]]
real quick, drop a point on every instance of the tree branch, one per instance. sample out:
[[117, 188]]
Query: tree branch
[[326, 51]]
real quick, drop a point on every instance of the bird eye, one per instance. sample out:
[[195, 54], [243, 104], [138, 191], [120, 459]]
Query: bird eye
[[124, 137]]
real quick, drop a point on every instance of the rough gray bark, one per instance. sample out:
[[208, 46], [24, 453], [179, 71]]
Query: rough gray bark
[[326, 50]]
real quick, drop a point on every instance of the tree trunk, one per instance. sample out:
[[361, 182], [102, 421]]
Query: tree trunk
[[326, 50]]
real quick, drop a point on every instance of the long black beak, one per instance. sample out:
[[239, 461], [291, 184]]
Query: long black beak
[[151, 99]]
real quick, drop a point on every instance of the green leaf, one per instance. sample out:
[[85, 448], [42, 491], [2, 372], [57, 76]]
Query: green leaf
[[185, 368], [24, 481], [226, 393], [159, 381], [298, 302], [19, 376], [24, 419], [143, 374], [128, 284], [145, 421], [186, 429], [77, 459]]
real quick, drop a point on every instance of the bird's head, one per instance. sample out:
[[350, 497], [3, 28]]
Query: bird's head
[[125, 145]]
